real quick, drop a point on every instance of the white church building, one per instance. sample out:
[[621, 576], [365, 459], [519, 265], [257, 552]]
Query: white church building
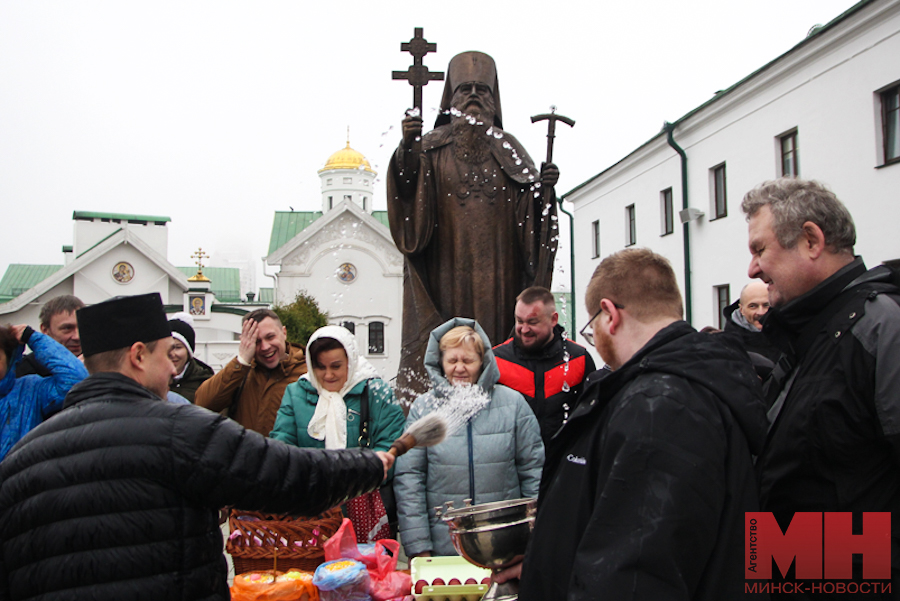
[[828, 109], [345, 258], [119, 254]]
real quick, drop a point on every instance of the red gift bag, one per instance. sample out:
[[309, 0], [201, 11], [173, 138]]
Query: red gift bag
[[386, 583]]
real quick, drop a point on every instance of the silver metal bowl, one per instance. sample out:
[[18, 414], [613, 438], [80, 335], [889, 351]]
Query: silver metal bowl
[[486, 514], [492, 535]]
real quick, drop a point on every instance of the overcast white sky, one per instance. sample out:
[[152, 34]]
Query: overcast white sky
[[217, 113]]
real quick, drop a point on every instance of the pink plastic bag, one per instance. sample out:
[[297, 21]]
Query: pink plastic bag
[[385, 582]]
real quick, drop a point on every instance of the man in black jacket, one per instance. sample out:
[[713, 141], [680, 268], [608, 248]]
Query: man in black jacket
[[644, 493], [542, 364], [117, 496], [742, 319], [834, 434]]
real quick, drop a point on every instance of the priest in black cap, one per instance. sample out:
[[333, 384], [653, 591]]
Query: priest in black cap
[[117, 496]]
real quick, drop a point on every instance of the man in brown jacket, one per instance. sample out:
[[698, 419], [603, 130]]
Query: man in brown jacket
[[251, 385]]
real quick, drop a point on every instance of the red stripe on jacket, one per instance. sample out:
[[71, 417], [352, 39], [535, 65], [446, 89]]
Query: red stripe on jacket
[[554, 378], [517, 377]]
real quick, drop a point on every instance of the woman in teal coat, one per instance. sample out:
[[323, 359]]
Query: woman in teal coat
[[325, 409]]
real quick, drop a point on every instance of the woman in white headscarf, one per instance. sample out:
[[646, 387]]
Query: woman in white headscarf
[[341, 403]]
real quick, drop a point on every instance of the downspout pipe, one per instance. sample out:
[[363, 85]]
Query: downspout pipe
[[274, 280], [571, 309], [686, 231]]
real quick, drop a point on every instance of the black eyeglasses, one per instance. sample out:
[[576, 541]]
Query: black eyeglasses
[[588, 334]]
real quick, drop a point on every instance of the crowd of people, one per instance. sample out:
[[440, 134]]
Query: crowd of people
[[119, 446]]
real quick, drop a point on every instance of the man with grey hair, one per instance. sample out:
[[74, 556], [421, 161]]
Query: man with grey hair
[[834, 416], [59, 323]]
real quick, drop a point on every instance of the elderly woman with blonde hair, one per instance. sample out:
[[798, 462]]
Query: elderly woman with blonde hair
[[496, 455]]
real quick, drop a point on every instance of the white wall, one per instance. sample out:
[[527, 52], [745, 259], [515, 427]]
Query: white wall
[[95, 283], [361, 186], [375, 295], [89, 233]]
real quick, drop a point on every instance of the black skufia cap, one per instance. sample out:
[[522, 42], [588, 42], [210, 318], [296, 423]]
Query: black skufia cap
[[120, 322]]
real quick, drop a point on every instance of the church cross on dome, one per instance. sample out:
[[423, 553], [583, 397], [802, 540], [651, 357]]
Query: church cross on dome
[[199, 255]]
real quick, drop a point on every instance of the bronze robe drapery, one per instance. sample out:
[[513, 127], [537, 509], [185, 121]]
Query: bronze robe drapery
[[471, 239]]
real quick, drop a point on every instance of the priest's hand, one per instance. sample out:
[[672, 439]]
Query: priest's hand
[[549, 175], [247, 348], [387, 460]]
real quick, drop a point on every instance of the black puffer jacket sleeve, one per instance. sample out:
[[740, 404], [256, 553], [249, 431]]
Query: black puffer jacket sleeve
[[229, 465]]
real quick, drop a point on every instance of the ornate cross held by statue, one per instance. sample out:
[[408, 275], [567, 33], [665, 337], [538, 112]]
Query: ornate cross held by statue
[[418, 74]]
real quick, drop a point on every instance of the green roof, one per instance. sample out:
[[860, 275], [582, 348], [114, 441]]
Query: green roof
[[225, 282], [288, 224], [85, 215], [266, 295], [382, 217], [20, 278]]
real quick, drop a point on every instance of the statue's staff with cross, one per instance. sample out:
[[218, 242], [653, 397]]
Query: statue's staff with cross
[[547, 193], [418, 76]]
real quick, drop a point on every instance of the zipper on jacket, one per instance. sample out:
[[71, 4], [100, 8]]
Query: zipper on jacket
[[471, 463]]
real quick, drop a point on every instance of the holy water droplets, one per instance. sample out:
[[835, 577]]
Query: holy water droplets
[[456, 404], [566, 357]]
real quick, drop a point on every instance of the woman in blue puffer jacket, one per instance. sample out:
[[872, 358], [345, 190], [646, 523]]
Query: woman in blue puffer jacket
[[496, 455], [27, 401]]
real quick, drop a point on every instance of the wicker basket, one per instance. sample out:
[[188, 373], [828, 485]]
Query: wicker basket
[[298, 541]]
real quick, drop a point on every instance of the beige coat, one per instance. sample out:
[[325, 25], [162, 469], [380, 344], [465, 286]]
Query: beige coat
[[261, 397]]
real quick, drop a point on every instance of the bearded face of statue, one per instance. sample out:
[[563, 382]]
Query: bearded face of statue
[[475, 99]]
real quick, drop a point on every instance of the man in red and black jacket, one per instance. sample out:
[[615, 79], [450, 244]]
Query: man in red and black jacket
[[540, 363]]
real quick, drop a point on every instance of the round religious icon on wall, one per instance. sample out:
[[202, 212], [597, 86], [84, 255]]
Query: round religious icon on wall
[[346, 272], [123, 272]]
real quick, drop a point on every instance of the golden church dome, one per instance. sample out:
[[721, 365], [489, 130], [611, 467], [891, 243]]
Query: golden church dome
[[347, 158]]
